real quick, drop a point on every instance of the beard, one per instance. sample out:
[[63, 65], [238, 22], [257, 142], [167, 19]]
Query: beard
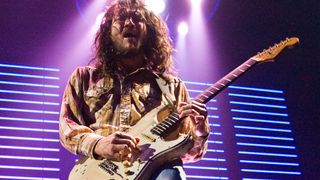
[[127, 53], [120, 51]]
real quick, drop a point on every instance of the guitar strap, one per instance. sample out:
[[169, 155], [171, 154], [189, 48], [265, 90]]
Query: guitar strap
[[167, 89]]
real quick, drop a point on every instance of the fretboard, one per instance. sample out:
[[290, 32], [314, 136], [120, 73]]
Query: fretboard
[[224, 82], [204, 97]]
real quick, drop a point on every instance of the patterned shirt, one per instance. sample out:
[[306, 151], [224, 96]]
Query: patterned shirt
[[95, 106]]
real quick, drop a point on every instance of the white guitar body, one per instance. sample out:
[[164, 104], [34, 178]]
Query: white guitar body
[[155, 151]]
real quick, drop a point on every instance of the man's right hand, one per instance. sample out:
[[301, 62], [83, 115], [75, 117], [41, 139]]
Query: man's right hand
[[117, 146]]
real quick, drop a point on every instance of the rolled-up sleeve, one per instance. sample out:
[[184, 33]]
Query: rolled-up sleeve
[[75, 136]]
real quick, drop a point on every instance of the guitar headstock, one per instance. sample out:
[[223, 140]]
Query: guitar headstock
[[274, 51]]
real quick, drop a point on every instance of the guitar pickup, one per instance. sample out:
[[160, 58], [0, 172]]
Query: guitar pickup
[[152, 139]]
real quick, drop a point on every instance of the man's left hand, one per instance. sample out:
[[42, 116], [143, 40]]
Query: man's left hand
[[197, 113]]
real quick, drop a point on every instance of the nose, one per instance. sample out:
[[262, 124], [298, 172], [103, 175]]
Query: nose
[[128, 22]]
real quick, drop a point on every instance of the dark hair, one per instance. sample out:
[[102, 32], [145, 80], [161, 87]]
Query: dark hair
[[158, 45]]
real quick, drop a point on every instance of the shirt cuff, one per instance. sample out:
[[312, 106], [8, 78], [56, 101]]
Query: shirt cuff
[[88, 143]]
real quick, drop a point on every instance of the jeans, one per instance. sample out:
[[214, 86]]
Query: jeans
[[170, 171]]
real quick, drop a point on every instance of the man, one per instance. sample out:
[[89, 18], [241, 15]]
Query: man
[[131, 72]]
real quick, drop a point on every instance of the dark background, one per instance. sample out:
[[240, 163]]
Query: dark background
[[241, 28], [245, 27]]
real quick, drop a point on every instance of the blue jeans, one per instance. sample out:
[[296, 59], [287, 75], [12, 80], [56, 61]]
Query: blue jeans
[[170, 171]]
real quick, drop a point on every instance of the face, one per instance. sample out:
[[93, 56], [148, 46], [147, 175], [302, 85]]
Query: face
[[128, 31]]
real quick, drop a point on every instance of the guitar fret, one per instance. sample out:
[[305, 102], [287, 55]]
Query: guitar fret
[[248, 65], [155, 130], [228, 79], [167, 122], [234, 75], [241, 70], [226, 82], [161, 127], [176, 117], [158, 128], [212, 91], [222, 84], [209, 92], [171, 120], [203, 96], [164, 124], [238, 73]]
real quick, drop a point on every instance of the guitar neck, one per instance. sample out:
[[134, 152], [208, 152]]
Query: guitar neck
[[224, 82], [204, 97], [209, 93]]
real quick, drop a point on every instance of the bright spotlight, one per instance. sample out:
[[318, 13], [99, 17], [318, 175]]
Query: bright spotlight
[[196, 2], [96, 25], [99, 18], [183, 28], [157, 6]]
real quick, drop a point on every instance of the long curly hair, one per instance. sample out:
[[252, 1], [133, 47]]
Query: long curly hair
[[157, 48]]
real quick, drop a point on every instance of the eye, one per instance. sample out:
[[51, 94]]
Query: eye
[[121, 16], [138, 16], [135, 18]]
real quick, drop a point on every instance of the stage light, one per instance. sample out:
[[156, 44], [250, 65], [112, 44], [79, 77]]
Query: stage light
[[96, 25], [157, 6], [183, 28], [196, 3], [99, 18]]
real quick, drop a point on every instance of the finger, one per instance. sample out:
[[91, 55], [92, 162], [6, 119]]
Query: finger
[[121, 157], [188, 112], [198, 104], [127, 142], [126, 150], [123, 148], [199, 119], [125, 153], [117, 153], [191, 106], [200, 108], [137, 140], [118, 156], [192, 109], [181, 105], [123, 135]]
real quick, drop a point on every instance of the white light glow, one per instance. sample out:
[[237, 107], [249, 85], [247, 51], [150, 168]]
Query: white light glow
[[196, 2], [96, 25], [157, 6], [183, 28]]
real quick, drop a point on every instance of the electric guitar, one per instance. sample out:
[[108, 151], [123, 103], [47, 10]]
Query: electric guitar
[[154, 149]]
